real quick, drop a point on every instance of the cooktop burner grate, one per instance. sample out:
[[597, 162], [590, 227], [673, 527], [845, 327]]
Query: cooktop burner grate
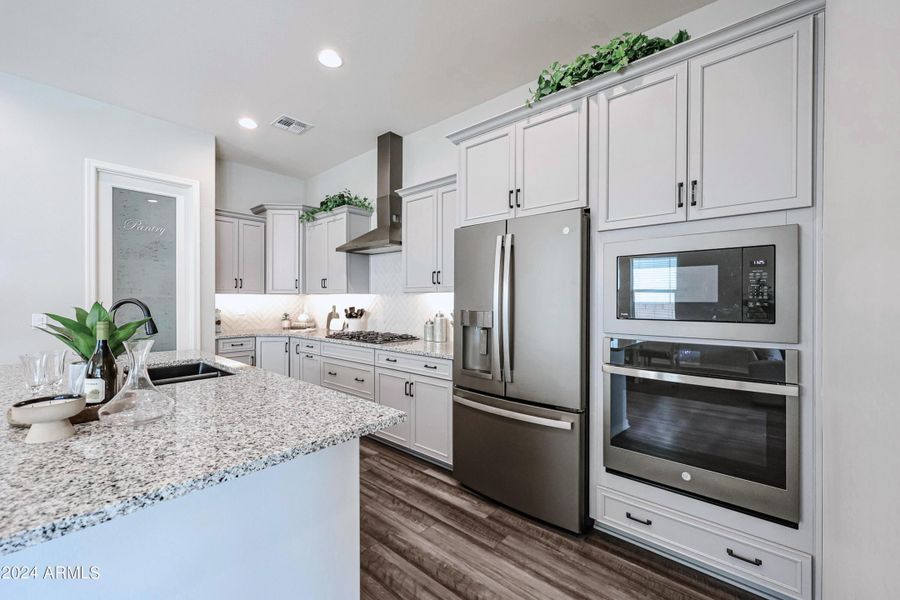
[[371, 337]]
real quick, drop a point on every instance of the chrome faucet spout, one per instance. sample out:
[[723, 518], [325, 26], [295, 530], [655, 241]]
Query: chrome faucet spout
[[149, 326]]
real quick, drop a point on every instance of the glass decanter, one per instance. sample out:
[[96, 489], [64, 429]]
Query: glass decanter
[[139, 401]]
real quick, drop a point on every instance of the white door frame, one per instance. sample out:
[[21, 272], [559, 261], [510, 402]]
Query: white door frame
[[98, 257]]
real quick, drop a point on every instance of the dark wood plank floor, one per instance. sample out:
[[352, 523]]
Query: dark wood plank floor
[[424, 536]]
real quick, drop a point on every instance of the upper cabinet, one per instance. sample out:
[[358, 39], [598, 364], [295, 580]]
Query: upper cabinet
[[283, 251], [751, 124], [534, 166], [429, 218], [727, 132], [327, 270], [240, 254]]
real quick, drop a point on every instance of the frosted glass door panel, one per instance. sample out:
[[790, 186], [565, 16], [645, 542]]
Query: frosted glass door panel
[[144, 259]]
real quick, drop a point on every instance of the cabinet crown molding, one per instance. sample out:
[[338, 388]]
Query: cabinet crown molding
[[681, 52], [427, 185], [262, 208], [221, 212]]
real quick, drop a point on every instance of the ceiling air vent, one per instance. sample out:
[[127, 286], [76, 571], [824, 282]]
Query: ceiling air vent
[[290, 124]]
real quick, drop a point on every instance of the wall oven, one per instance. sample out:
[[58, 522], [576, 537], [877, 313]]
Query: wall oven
[[717, 422], [736, 285]]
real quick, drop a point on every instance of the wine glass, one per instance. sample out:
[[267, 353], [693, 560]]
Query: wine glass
[[35, 371], [55, 370]]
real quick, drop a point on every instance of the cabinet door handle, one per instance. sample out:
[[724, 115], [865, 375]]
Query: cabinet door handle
[[693, 192], [393, 360], [296, 284], [326, 283], [427, 366], [647, 522], [433, 282], [406, 389], [439, 277], [287, 347], [332, 373], [680, 194], [235, 283], [518, 190], [242, 282], [253, 361], [411, 395], [357, 379], [510, 198], [753, 561], [297, 349]]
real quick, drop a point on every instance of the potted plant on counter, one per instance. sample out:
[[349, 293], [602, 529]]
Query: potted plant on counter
[[79, 334]]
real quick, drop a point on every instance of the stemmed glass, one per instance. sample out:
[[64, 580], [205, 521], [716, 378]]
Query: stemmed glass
[[44, 371], [55, 369]]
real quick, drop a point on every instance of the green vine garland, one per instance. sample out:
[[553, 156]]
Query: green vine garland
[[344, 198]]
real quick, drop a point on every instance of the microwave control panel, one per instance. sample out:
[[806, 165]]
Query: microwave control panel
[[759, 284]]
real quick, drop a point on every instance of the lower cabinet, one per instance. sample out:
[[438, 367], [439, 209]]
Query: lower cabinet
[[345, 376], [306, 364], [273, 354], [428, 403]]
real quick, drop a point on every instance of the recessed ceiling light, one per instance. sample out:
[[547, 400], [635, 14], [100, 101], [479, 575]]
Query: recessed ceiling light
[[330, 58], [247, 123], [153, 200]]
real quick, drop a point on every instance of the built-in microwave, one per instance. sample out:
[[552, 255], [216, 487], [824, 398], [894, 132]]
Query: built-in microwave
[[736, 285]]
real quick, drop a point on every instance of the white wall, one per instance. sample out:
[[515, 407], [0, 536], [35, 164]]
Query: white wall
[[45, 136], [861, 311], [240, 187]]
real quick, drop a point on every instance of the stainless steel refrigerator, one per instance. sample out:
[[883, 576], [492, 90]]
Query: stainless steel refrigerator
[[520, 364]]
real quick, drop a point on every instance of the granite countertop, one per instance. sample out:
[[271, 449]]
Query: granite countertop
[[221, 429], [418, 347]]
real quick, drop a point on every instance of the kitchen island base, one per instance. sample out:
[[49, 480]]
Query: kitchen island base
[[287, 531]]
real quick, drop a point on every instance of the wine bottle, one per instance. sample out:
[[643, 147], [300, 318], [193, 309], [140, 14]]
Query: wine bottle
[[101, 377]]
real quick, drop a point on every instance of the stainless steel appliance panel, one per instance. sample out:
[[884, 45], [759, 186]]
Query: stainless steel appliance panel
[[478, 260], [544, 354], [785, 328], [529, 458]]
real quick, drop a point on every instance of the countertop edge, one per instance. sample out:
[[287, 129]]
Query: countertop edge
[[72, 523]]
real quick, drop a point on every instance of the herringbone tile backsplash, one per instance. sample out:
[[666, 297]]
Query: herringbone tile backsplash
[[388, 307]]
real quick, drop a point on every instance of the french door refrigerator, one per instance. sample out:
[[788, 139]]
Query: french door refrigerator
[[520, 364]]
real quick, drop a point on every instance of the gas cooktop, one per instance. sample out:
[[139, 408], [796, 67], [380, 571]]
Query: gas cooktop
[[371, 337]]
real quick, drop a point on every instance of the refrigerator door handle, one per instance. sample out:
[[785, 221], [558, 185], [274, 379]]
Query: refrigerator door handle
[[501, 412], [495, 307], [506, 310]]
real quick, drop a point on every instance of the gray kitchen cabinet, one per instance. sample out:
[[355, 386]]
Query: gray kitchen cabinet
[[536, 165], [283, 251], [329, 271], [349, 377], [305, 361], [639, 150], [751, 146], [240, 254], [391, 389], [273, 354], [428, 403], [429, 218]]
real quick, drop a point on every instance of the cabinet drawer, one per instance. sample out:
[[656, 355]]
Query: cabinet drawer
[[352, 378], [347, 352], [247, 357], [309, 346], [411, 363], [773, 567], [235, 344]]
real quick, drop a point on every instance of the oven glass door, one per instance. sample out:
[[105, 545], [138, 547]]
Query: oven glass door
[[700, 285], [743, 434]]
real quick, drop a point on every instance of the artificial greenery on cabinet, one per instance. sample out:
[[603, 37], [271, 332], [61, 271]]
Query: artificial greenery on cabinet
[[343, 198], [612, 57]]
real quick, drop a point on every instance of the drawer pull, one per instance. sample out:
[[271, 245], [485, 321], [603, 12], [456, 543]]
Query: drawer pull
[[431, 367], [310, 356], [357, 379], [393, 360], [309, 345], [332, 373], [753, 561], [646, 522]]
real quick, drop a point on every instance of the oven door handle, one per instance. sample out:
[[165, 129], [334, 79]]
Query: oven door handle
[[725, 384], [500, 412]]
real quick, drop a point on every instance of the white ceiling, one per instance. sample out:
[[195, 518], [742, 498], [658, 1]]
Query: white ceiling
[[204, 63]]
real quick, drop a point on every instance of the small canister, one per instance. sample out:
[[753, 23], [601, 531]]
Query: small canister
[[429, 330], [440, 327]]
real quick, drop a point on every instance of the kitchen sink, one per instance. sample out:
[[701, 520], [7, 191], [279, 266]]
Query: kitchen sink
[[194, 371]]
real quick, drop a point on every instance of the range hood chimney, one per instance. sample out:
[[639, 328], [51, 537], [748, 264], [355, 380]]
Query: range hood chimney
[[386, 237]]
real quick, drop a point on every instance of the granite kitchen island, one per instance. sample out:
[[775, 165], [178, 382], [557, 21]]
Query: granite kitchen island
[[250, 489]]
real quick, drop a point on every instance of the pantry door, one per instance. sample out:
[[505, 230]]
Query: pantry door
[[142, 237]]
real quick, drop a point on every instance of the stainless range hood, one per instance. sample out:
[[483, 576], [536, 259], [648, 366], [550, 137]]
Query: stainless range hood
[[386, 237]]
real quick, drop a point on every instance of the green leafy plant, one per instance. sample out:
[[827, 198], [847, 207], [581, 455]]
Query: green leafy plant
[[80, 333], [344, 198], [614, 56]]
